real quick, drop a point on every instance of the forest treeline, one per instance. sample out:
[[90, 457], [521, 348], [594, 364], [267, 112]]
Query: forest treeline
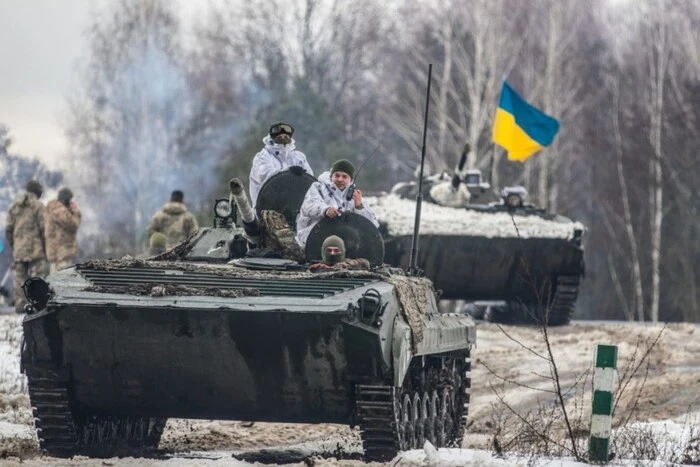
[[159, 106]]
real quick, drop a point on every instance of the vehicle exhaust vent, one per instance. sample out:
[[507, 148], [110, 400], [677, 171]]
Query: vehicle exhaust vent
[[311, 288]]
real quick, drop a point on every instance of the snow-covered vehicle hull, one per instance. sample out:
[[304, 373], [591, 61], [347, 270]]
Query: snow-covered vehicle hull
[[530, 261]]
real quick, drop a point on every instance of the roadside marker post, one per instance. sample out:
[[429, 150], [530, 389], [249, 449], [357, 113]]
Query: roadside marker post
[[603, 396]]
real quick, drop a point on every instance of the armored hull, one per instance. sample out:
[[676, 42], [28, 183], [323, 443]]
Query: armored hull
[[480, 253], [482, 268], [112, 349], [181, 356]]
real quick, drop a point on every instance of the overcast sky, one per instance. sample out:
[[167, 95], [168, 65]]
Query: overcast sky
[[41, 44]]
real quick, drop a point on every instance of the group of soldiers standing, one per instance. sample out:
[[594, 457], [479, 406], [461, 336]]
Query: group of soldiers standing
[[42, 238]]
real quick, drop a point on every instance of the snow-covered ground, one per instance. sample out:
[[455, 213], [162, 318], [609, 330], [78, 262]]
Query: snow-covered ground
[[399, 213], [666, 398]]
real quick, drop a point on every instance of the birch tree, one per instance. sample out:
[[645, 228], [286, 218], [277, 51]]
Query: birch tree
[[333, 46], [472, 47], [637, 308], [652, 41], [658, 45], [311, 62], [553, 69]]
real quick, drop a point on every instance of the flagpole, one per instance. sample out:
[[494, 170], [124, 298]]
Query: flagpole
[[412, 268]]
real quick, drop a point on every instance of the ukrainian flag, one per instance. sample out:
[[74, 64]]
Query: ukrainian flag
[[520, 128]]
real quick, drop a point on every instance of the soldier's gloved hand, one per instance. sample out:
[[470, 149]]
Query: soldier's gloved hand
[[332, 212], [297, 170]]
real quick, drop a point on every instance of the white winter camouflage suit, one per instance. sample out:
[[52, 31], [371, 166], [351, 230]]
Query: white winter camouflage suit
[[322, 195], [273, 158]]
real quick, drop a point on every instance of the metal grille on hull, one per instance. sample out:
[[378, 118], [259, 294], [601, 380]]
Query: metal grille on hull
[[311, 288]]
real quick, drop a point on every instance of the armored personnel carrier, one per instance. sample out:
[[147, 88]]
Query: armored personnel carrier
[[518, 263], [213, 330]]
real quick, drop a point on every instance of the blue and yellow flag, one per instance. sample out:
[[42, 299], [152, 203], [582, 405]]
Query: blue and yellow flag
[[520, 128]]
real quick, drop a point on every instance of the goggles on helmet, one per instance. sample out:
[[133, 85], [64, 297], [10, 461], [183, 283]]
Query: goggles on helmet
[[281, 128]]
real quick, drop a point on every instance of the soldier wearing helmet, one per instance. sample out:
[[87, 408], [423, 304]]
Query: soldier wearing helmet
[[333, 254], [278, 154]]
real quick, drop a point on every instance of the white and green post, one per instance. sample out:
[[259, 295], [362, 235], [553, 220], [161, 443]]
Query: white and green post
[[603, 396]]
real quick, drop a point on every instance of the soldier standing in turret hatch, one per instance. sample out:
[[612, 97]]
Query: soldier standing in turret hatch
[[279, 154]]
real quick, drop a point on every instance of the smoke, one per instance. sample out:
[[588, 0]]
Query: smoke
[[148, 157], [153, 144]]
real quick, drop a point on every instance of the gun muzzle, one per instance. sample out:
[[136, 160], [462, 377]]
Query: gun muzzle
[[251, 224]]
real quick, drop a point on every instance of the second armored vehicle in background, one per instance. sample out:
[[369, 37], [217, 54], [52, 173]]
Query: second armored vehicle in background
[[524, 262]]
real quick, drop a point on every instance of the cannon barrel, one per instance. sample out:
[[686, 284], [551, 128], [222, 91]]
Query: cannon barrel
[[251, 224]]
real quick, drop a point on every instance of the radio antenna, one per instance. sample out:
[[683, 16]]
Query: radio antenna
[[351, 191], [412, 268]]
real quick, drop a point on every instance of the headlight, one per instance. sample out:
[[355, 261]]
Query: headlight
[[514, 201], [472, 179], [37, 292], [222, 208]]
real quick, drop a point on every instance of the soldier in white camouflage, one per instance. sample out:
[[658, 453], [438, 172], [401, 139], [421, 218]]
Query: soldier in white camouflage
[[62, 221], [174, 220], [278, 154], [24, 231]]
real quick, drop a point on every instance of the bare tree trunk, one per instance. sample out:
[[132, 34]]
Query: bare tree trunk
[[445, 81], [550, 95], [475, 102], [657, 220], [659, 56], [638, 304], [529, 76]]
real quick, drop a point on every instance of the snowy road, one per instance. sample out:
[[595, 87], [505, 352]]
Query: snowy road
[[667, 390]]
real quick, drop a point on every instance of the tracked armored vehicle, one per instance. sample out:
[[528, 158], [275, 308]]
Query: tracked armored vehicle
[[210, 330], [518, 263]]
